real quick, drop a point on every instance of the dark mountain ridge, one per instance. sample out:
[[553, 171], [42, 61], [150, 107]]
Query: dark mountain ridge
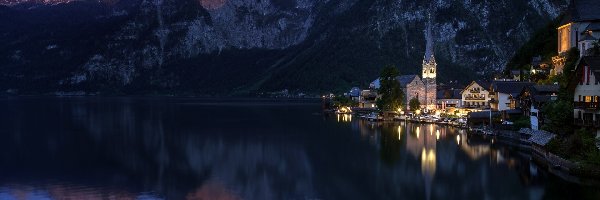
[[244, 47]]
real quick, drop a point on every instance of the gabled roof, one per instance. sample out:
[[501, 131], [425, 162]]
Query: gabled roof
[[582, 10], [594, 26], [540, 93], [376, 84], [588, 37], [592, 61], [545, 89], [406, 79], [484, 84], [542, 98], [509, 87]]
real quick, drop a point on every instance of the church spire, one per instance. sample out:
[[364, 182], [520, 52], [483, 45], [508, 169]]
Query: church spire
[[429, 38]]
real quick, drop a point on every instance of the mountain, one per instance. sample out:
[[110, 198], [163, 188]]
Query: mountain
[[241, 47], [49, 2]]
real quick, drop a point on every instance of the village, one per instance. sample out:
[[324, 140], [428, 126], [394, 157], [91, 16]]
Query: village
[[543, 109]]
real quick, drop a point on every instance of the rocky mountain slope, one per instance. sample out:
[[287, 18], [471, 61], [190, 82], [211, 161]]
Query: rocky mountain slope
[[224, 47]]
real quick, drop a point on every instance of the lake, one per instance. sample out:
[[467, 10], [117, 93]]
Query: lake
[[178, 148]]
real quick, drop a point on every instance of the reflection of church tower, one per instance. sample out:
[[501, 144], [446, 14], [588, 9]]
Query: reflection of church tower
[[429, 69]]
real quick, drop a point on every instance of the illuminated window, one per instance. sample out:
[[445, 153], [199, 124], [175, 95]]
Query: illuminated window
[[588, 98]]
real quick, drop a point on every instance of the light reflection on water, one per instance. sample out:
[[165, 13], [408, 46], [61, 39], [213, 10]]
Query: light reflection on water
[[147, 148]]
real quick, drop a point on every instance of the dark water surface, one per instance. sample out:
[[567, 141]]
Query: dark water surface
[[166, 148]]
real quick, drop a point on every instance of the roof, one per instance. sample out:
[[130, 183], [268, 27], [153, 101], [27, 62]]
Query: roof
[[449, 94], [592, 61], [375, 84], [513, 111], [542, 98], [588, 37], [545, 89], [509, 87], [484, 84], [406, 79], [538, 137], [582, 10], [429, 42], [595, 26]]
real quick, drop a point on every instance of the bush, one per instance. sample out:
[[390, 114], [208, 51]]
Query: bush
[[579, 147]]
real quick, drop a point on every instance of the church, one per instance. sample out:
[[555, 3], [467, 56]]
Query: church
[[423, 88]]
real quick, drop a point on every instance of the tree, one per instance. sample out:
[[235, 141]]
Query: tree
[[414, 104], [558, 117], [391, 94]]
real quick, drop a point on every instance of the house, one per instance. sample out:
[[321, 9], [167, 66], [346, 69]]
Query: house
[[585, 85], [476, 95], [533, 98], [354, 94], [367, 99], [449, 98], [579, 27], [515, 75], [503, 94]]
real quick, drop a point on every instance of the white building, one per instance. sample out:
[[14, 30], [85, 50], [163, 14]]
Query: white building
[[580, 26], [585, 85], [533, 98], [476, 95], [503, 94]]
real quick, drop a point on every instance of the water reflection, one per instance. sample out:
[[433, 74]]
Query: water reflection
[[88, 148], [450, 161]]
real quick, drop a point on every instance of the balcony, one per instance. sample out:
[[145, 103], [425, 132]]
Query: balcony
[[587, 105], [477, 106], [474, 98], [586, 123]]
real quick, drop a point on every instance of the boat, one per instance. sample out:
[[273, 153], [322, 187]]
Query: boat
[[374, 117]]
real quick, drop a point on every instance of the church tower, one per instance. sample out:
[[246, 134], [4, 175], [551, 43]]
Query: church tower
[[429, 69]]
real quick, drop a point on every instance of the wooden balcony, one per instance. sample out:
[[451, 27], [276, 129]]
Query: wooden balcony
[[587, 105], [474, 98]]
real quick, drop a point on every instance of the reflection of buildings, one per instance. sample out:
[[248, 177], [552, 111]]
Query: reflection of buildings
[[422, 142]]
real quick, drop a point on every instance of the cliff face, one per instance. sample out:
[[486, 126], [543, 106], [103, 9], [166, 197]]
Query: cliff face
[[242, 46]]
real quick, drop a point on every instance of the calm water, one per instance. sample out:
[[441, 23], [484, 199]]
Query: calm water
[[153, 148]]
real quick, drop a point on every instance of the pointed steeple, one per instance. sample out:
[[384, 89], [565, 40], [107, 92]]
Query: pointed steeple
[[429, 51]]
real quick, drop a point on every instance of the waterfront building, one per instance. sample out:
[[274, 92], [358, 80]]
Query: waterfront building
[[449, 98], [367, 99], [585, 85], [354, 94], [580, 26], [533, 98], [476, 95], [503, 94]]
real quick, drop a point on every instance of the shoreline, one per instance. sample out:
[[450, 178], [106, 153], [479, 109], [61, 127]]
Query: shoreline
[[562, 168]]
